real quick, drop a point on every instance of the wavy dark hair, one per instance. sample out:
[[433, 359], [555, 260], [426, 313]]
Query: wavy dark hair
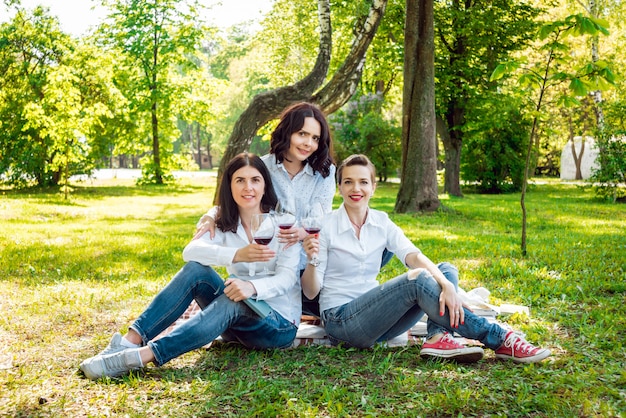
[[228, 212], [292, 120], [356, 159]]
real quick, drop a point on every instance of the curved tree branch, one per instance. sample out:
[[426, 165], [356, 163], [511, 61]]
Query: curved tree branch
[[268, 105], [345, 81]]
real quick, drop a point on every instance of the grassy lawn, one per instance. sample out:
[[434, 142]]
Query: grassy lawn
[[73, 272]]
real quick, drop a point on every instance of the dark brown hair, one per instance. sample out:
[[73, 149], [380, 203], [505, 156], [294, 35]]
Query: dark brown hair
[[292, 120], [228, 212]]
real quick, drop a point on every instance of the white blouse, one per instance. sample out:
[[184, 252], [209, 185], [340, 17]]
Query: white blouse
[[280, 290], [349, 266]]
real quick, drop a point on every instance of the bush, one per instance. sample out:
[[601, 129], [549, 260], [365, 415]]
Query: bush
[[360, 128], [495, 145], [610, 178]]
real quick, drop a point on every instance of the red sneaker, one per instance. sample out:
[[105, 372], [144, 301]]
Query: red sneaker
[[516, 348], [448, 348]]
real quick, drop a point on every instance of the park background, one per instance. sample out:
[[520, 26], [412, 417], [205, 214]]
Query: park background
[[510, 84]]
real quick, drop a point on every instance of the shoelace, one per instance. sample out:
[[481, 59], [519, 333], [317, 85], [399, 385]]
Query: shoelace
[[447, 337], [117, 363], [518, 343]]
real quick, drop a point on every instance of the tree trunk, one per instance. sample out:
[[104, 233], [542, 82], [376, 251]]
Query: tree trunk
[[578, 158], [268, 105], [595, 56], [344, 82], [208, 150], [452, 145], [198, 140], [418, 190], [156, 152]]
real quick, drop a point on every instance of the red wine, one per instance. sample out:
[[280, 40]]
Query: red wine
[[312, 230], [285, 226], [262, 240]]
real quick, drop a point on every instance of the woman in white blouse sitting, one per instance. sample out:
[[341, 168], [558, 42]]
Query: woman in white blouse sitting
[[358, 311], [245, 190]]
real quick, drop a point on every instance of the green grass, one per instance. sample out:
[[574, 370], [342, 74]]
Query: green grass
[[73, 272]]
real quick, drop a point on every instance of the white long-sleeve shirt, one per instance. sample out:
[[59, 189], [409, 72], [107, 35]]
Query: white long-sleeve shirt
[[304, 189], [349, 266], [280, 290]]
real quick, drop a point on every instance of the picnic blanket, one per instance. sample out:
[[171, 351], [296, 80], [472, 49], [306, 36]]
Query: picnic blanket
[[310, 331]]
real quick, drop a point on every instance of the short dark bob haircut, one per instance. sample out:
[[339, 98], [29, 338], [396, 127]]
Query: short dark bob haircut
[[292, 120]]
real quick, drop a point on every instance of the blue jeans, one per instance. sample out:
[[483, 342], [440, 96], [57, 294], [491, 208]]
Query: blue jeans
[[312, 306], [394, 307], [219, 315]]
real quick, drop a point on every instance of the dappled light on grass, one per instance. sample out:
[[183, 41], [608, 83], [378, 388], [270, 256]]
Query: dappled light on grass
[[74, 273]]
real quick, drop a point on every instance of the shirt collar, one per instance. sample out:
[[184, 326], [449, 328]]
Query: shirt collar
[[344, 223], [307, 167]]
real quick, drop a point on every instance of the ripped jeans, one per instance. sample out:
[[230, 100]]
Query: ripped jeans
[[395, 306], [219, 315]]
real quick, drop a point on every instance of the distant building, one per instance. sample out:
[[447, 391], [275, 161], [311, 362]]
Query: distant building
[[587, 155]]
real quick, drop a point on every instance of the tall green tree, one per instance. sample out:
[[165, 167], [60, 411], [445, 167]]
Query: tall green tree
[[156, 36], [541, 76], [32, 47], [472, 37]]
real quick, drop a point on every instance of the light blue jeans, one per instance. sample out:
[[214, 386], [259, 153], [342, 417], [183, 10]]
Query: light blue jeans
[[395, 306], [219, 316]]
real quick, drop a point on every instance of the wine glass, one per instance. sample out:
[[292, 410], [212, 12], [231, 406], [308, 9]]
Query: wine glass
[[284, 214], [262, 228], [312, 223]]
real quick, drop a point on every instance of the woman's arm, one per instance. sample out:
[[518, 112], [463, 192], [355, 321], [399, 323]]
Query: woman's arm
[[449, 297]]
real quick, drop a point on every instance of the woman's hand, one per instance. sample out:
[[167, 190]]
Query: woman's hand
[[253, 253], [311, 245], [238, 290], [206, 224], [450, 298], [290, 236]]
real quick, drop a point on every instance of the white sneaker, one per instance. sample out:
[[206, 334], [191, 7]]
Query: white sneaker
[[112, 365], [115, 345]]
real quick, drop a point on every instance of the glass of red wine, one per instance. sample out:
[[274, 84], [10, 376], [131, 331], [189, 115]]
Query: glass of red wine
[[312, 224], [262, 228], [285, 217]]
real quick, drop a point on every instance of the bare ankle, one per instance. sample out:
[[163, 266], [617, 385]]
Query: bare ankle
[[133, 337]]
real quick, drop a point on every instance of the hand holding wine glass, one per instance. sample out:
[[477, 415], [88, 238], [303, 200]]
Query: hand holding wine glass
[[312, 224], [285, 216], [262, 228]]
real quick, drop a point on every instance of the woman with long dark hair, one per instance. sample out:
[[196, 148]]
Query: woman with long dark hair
[[259, 310]]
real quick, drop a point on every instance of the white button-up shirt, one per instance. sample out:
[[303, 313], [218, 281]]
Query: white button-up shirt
[[280, 290], [300, 192], [349, 265], [305, 188]]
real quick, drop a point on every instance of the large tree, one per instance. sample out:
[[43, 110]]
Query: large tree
[[418, 190], [472, 36], [32, 47], [156, 36], [330, 97]]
